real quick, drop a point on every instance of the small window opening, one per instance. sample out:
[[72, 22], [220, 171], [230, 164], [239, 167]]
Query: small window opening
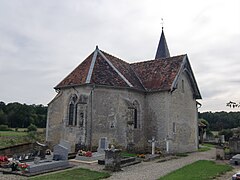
[[81, 119], [174, 127], [135, 118], [182, 86]]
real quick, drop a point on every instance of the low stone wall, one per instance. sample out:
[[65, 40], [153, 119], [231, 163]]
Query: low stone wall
[[17, 149]]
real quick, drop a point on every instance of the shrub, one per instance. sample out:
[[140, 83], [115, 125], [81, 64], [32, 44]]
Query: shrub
[[32, 127]]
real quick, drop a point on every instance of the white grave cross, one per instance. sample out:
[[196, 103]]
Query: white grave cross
[[153, 141]]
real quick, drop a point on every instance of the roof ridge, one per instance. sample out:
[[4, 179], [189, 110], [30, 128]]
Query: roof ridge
[[115, 69], [153, 60], [90, 71], [137, 77], [114, 56]]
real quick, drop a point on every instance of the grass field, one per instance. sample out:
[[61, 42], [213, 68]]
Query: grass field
[[74, 174], [12, 134], [10, 138], [204, 170]]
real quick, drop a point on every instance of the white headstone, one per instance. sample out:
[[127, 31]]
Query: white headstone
[[102, 144]]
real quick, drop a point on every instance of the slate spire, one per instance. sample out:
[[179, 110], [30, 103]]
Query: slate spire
[[162, 50]]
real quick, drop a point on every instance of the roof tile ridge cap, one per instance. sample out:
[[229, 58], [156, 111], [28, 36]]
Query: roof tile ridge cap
[[114, 57], [153, 60], [129, 64], [90, 70], [57, 86], [138, 78], [115, 69]]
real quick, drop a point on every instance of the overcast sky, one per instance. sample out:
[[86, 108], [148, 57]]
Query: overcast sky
[[41, 41]]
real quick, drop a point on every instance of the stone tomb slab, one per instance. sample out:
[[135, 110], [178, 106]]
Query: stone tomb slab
[[47, 166], [95, 157], [235, 160]]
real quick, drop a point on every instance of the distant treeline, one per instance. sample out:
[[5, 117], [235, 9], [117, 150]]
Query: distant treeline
[[221, 120], [17, 115]]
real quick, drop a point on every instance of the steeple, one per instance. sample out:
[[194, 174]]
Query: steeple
[[162, 50]]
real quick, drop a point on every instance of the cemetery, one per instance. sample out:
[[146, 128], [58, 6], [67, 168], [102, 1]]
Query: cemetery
[[39, 159], [108, 158]]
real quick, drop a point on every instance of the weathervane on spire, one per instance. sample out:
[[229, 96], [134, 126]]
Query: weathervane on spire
[[162, 22]]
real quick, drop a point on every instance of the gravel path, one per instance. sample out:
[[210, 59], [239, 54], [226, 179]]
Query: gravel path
[[153, 170], [145, 170]]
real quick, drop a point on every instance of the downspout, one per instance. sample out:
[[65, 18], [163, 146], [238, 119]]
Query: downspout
[[47, 127], [90, 143]]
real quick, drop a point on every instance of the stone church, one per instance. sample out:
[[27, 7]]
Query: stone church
[[128, 103]]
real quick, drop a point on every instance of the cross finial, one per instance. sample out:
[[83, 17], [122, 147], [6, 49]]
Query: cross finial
[[162, 22]]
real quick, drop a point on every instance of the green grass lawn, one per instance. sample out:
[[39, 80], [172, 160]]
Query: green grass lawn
[[202, 149], [126, 154], [200, 170], [206, 147], [73, 174], [209, 145]]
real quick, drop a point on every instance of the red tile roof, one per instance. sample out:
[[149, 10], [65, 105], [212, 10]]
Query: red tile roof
[[78, 75], [153, 75], [158, 74]]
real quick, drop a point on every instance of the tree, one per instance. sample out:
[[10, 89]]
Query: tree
[[227, 133], [17, 115], [233, 104], [221, 120], [3, 117]]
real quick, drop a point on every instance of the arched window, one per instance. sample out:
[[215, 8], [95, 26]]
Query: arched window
[[72, 110], [70, 114]]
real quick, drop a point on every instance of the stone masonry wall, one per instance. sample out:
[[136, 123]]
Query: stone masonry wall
[[108, 116], [183, 113], [111, 117], [156, 118]]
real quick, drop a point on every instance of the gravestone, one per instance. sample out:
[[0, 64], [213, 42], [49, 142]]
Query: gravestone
[[65, 144], [59, 161], [153, 141], [235, 160], [60, 152], [113, 159], [102, 145]]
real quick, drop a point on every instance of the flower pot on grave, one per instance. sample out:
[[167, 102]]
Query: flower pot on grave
[[14, 166]]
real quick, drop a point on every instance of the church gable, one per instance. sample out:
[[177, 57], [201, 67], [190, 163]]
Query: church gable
[[187, 70], [104, 74], [161, 74]]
